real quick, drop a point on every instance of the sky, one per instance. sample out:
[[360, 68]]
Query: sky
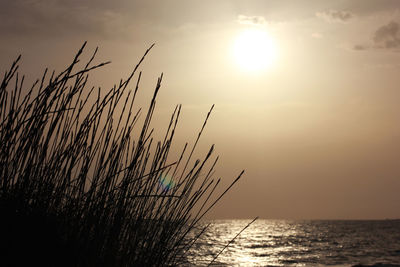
[[316, 128]]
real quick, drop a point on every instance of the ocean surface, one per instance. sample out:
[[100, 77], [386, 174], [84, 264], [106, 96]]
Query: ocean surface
[[299, 243]]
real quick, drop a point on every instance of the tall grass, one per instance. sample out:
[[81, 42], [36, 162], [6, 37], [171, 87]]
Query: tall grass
[[78, 189]]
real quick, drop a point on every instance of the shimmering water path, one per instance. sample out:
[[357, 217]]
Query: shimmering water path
[[301, 243]]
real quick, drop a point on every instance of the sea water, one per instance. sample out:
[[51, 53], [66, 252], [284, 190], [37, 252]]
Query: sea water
[[299, 243]]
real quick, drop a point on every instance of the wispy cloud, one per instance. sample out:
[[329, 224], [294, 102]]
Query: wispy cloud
[[360, 47], [51, 18], [251, 20], [335, 15]]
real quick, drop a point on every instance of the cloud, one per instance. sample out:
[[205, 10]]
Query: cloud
[[251, 20], [335, 15], [387, 36], [85, 19], [360, 47], [36, 18]]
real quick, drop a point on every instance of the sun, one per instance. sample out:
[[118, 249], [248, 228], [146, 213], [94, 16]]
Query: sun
[[254, 50]]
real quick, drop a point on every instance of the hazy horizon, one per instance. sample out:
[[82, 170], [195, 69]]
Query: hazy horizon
[[315, 125]]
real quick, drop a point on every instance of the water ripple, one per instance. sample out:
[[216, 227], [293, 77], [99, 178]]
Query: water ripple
[[300, 243]]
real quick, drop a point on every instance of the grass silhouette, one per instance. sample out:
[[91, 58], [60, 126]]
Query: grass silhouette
[[77, 189]]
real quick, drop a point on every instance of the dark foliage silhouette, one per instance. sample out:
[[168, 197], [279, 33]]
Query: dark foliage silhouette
[[83, 183]]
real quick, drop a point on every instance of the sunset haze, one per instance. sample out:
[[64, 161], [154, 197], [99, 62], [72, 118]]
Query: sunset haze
[[315, 125]]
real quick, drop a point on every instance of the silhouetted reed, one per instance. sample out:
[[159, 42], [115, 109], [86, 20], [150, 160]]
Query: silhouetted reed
[[77, 189]]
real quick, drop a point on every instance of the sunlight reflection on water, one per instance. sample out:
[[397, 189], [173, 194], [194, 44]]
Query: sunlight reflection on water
[[299, 243]]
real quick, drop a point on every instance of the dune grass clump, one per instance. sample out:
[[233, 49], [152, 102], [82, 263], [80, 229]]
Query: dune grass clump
[[83, 183]]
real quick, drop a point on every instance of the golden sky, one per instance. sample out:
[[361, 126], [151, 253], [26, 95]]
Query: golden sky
[[313, 116]]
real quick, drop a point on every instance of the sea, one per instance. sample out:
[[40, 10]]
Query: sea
[[298, 243]]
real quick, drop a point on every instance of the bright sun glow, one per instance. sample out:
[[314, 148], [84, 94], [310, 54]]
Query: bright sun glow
[[254, 50]]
